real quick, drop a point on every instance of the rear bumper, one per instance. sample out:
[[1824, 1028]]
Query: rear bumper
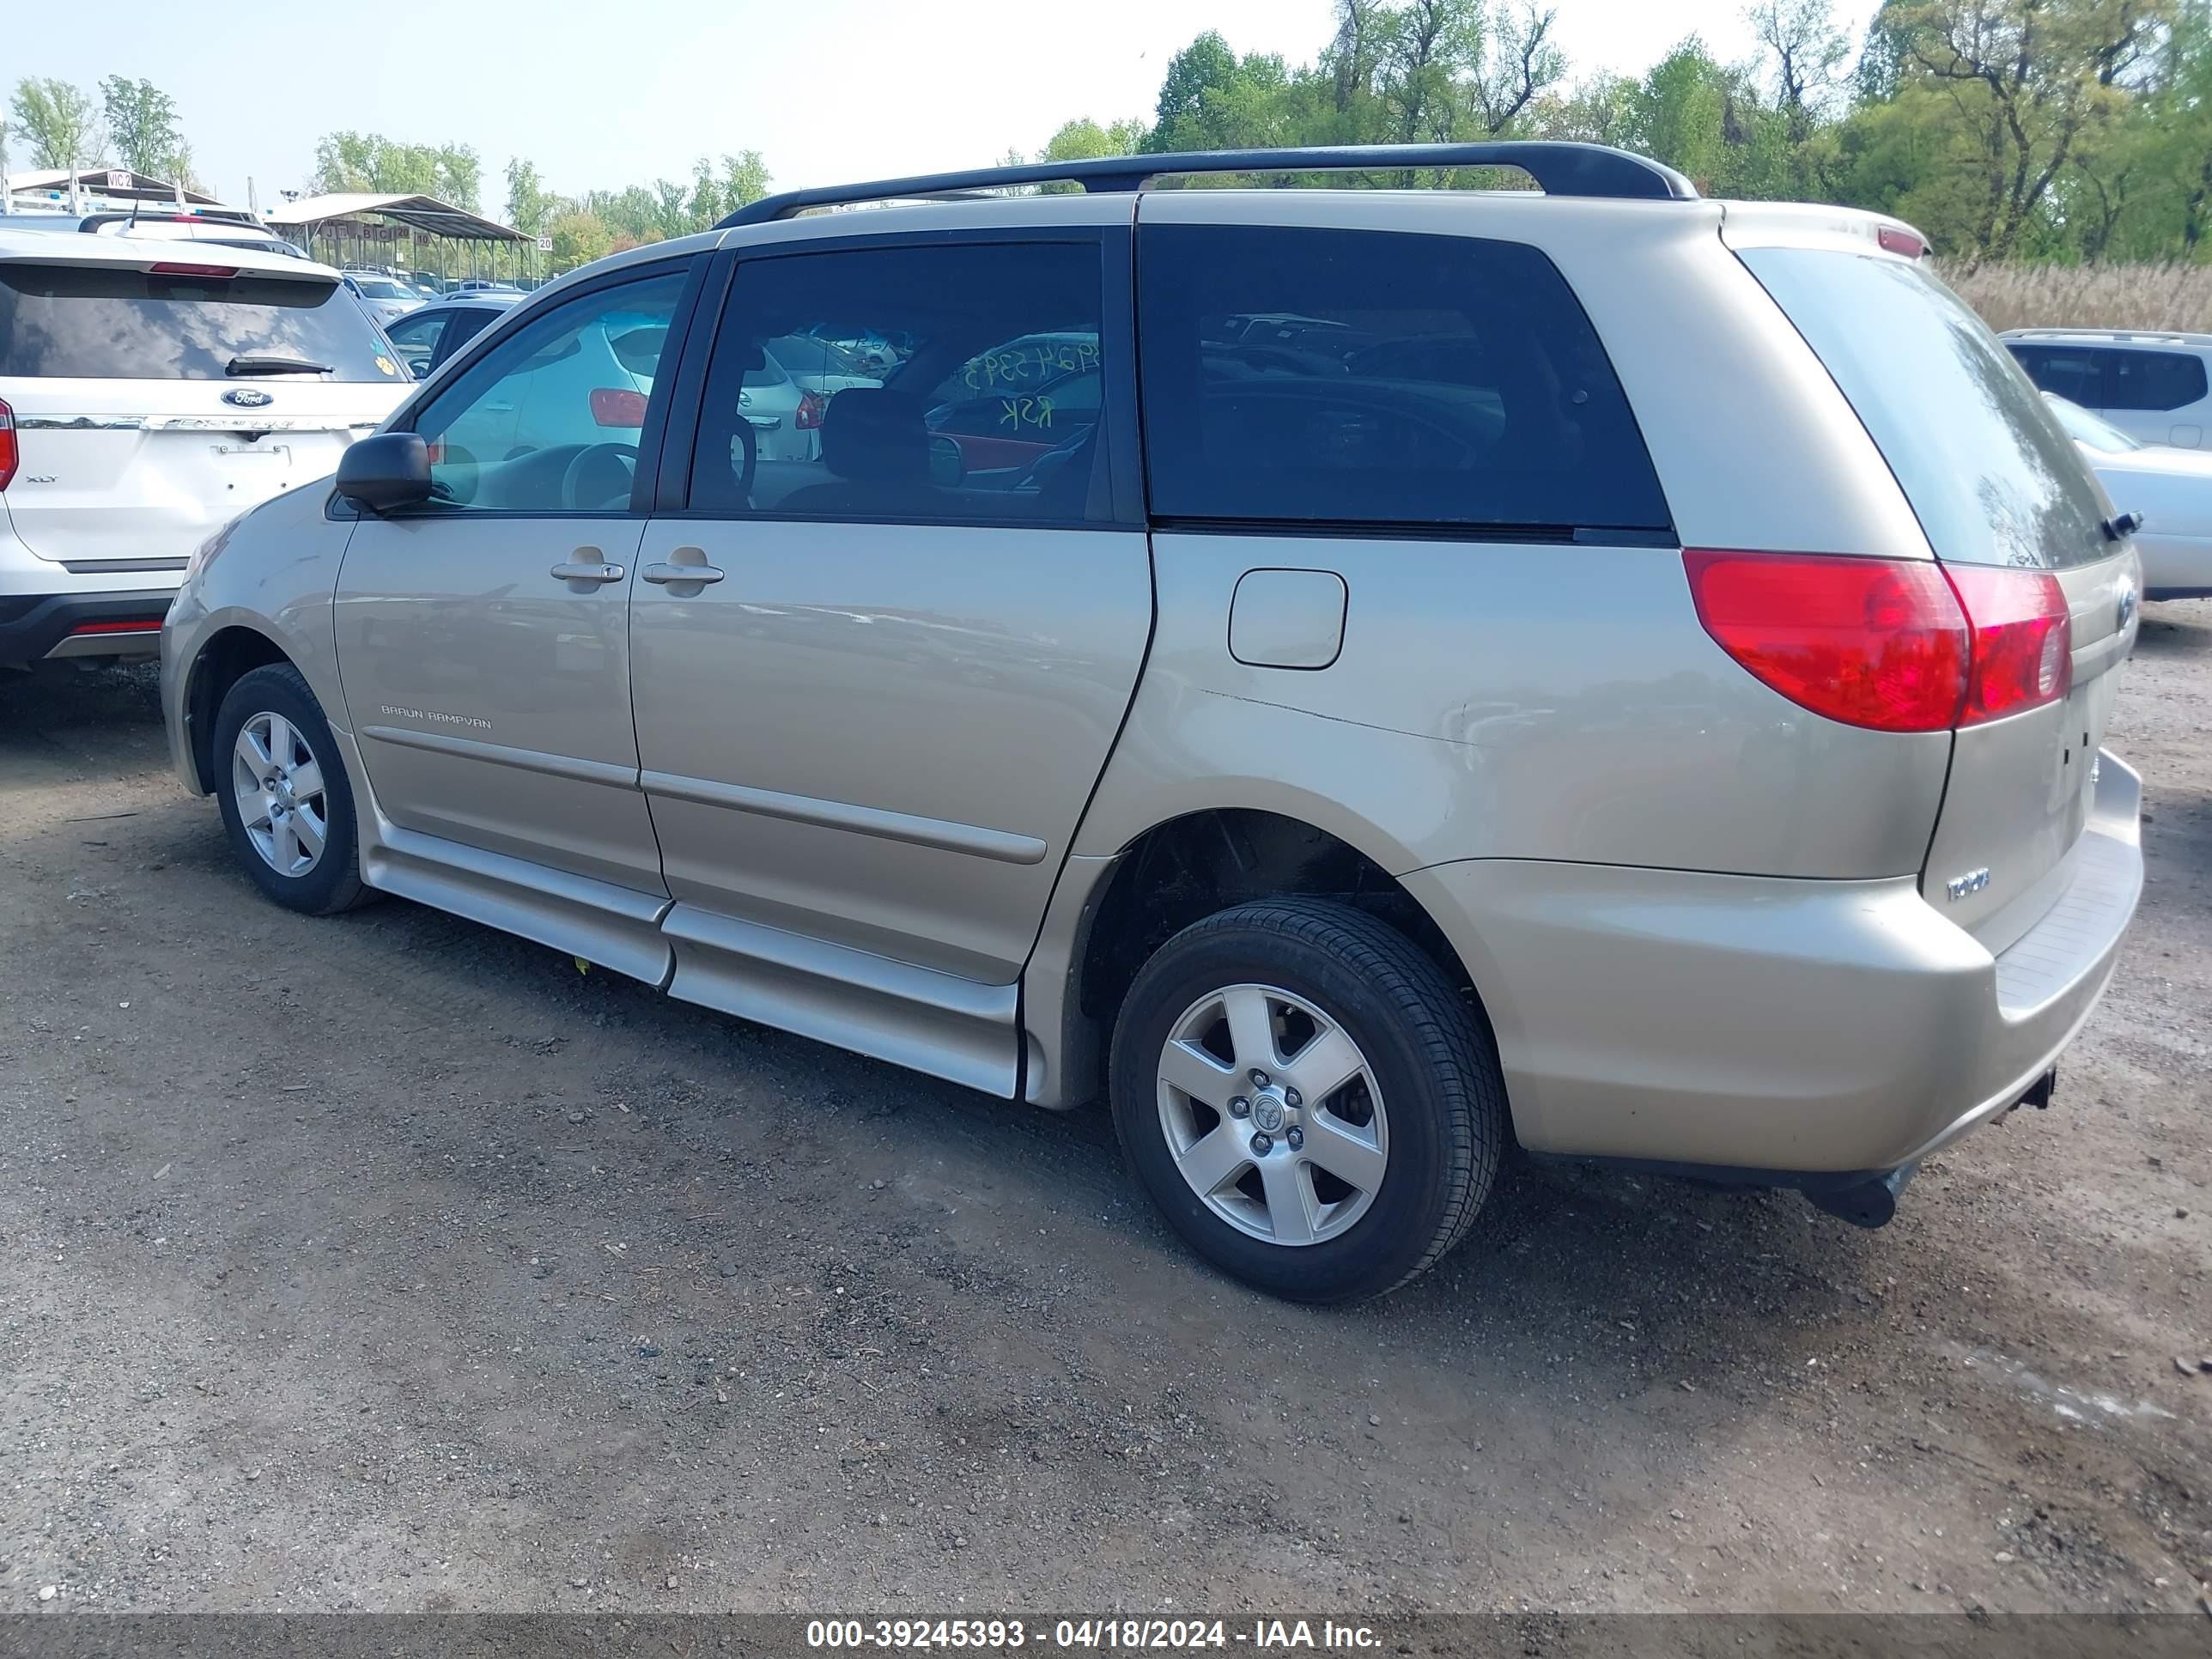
[[1776, 1028], [37, 626]]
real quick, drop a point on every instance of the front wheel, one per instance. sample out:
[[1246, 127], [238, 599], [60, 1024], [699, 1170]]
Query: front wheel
[[285, 798], [1307, 1099]]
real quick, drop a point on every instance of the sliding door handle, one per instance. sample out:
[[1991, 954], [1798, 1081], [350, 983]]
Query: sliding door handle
[[678, 572], [588, 570]]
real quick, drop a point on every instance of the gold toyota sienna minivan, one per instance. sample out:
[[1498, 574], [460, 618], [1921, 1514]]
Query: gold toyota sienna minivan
[[1351, 676]]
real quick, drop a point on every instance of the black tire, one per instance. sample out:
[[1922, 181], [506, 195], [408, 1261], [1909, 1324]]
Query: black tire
[[1431, 1058], [334, 883]]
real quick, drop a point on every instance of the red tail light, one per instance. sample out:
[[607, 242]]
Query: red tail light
[[169, 269], [1873, 642], [8, 454], [612, 406], [2023, 639], [811, 407], [1892, 645], [1901, 242]]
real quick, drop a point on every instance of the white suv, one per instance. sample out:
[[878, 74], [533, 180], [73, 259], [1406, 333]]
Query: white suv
[[149, 392], [2155, 387]]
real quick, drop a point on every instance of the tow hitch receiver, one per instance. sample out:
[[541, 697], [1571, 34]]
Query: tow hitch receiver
[[2039, 1092]]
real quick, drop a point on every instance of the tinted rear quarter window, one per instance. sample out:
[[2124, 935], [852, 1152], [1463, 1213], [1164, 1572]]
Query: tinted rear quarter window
[[2154, 379], [2075, 372], [1991, 475], [112, 323], [1379, 377]]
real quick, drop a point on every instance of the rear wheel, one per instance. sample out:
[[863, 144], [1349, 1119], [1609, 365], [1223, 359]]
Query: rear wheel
[[1307, 1099], [284, 795]]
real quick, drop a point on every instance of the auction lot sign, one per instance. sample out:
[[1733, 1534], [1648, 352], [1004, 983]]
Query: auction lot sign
[[82, 1633]]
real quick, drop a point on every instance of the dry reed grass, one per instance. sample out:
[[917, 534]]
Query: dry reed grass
[[2138, 296]]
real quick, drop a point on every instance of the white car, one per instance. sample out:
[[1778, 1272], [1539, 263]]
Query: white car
[[162, 228], [2169, 489], [583, 389], [388, 298], [820, 366], [150, 392], [2153, 385], [784, 412]]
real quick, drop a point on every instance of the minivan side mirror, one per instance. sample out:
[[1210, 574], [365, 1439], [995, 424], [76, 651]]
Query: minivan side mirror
[[385, 470]]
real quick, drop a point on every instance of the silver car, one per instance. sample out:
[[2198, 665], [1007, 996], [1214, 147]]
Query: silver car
[[1631, 681], [387, 299]]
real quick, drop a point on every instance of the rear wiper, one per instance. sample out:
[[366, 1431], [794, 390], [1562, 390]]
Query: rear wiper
[[262, 362]]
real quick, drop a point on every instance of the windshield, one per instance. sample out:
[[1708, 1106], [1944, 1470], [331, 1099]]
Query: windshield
[[2083, 428], [382, 287], [115, 323]]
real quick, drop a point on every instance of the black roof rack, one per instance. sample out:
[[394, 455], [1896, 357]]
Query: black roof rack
[[1559, 168]]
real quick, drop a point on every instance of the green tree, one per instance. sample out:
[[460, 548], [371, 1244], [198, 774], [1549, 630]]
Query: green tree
[[1683, 113], [743, 179], [1083, 140], [181, 167], [346, 162], [1807, 50], [1432, 48], [60, 123], [141, 126], [2025, 83], [1518, 62], [579, 238], [459, 172], [2139, 186], [371, 161], [2007, 129], [1602, 110], [1206, 65], [529, 206]]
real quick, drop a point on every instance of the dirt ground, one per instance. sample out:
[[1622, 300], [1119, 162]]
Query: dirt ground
[[389, 1262]]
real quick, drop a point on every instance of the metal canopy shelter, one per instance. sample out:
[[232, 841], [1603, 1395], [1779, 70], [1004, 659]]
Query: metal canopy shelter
[[364, 229], [47, 190]]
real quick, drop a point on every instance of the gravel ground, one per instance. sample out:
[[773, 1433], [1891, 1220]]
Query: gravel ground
[[388, 1263]]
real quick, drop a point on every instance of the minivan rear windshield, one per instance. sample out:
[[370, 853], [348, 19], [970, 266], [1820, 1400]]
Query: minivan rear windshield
[[112, 323], [1985, 463]]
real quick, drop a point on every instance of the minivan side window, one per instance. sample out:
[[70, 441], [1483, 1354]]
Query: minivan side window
[[2154, 379], [1379, 377], [924, 384], [548, 420], [2074, 373]]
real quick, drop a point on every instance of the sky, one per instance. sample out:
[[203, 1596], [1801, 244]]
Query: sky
[[601, 94]]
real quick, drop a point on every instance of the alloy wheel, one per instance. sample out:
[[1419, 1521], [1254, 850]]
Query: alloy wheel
[[1273, 1115], [277, 782]]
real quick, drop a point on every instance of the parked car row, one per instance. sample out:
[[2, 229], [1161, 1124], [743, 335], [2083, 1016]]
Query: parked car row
[[1336, 673]]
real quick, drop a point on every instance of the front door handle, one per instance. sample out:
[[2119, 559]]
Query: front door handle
[[686, 564], [587, 564]]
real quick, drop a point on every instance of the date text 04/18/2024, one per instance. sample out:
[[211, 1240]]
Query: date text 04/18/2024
[[1090, 1635]]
